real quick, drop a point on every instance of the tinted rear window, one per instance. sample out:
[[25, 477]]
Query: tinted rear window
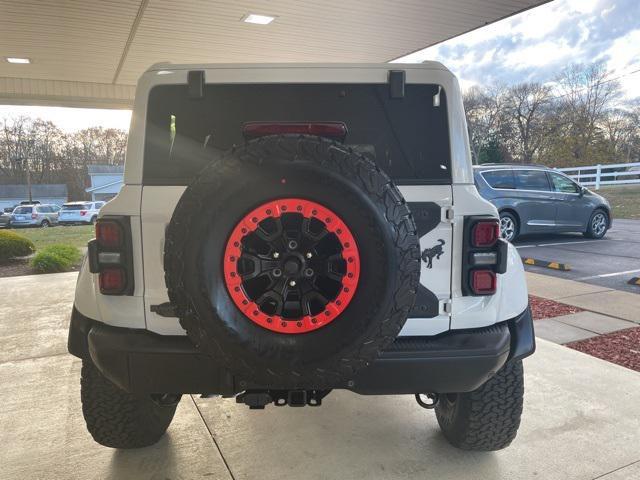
[[499, 178], [76, 207], [22, 210], [531, 180], [406, 137]]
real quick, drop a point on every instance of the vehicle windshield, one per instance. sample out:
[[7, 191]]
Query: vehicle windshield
[[407, 137], [76, 206], [20, 210]]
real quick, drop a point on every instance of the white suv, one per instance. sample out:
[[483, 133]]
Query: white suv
[[79, 213], [286, 230]]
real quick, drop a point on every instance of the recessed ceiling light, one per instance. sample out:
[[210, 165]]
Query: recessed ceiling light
[[18, 60], [258, 19]]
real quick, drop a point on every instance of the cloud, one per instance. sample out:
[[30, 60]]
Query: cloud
[[538, 44]]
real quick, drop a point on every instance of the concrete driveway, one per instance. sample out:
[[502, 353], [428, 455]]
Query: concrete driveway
[[581, 420]]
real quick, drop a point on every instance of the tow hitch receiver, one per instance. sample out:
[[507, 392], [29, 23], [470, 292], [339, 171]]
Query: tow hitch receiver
[[258, 399]]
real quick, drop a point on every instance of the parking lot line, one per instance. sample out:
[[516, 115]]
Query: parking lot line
[[568, 243], [604, 275]]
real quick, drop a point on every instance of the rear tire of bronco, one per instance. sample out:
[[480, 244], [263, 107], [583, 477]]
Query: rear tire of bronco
[[118, 419], [309, 179], [487, 418]]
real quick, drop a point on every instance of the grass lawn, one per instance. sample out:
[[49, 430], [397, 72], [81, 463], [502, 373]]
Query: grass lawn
[[624, 199], [78, 236]]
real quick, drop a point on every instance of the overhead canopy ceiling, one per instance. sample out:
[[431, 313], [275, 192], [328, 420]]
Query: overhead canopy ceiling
[[91, 52]]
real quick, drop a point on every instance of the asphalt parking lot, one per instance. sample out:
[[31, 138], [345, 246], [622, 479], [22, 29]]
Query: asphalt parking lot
[[609, 262]]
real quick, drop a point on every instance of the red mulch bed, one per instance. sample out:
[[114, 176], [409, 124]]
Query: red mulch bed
[[543, 308], [621, 348]]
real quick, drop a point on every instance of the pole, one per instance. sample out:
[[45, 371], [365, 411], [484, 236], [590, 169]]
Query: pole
[[29, 181]]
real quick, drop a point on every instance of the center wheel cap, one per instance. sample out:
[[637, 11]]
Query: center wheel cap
[[269, 250]]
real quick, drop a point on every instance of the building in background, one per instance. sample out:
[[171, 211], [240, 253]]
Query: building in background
[[105, 181], [11, 195]]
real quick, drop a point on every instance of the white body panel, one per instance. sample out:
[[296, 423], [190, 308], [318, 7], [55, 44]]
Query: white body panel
[[151, 207]]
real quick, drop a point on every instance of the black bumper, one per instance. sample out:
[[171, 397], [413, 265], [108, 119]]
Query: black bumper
[[456, 361]]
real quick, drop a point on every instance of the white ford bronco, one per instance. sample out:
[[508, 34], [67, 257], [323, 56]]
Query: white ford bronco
[[286, 230]]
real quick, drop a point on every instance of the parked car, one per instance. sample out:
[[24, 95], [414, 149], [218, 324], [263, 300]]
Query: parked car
[[79, 213], [5, 217], [346, 254], [35, 215], [537, 199]]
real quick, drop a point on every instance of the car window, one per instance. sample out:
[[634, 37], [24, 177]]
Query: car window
[[55, 208], [532, 180], [407, 137], [563, 184], [76, 206], [21, 210], [499, 178], [43, 209]]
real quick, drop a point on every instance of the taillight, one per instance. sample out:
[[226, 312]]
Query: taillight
[[34, 216], [111, 257], [112, 280], [484, 255], [108, 234], [83, 213], [336, 130], [483, 282], [485, 233]]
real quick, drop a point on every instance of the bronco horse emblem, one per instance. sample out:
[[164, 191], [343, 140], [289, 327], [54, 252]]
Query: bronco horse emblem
[[429, 253]]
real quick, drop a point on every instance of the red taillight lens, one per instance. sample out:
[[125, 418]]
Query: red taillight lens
[[483, 282], [485, 233], [109, 234], [83, 213], [337, 130], [34, 216], [112, 280]]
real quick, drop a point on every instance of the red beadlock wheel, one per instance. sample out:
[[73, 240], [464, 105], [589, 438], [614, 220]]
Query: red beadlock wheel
[[291, 265]]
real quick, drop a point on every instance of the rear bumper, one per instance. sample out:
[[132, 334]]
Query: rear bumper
[[456, 361]]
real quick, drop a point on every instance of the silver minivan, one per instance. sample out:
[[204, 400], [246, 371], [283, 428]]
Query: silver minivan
[[37, 215], [537, 199]]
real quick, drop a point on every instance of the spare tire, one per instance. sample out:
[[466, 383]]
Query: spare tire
[[292, 260]]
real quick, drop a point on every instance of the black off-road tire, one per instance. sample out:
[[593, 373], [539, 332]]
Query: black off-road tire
[[118, 419], [487, 418], [316, 169]]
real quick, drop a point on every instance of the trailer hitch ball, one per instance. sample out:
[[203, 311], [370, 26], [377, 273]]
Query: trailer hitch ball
[[430, 402]]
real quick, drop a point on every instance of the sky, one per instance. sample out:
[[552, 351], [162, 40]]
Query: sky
[[539, 43], [535, 45]]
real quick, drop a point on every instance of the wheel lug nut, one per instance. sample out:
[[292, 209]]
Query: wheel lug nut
[[292, 283], [276, 254], [309, 255]]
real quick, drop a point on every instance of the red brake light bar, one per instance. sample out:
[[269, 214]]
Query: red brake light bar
[[335, 130]]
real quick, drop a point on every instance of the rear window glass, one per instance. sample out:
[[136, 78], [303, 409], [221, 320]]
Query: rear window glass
[[83, 206], [531, 180], [23, 210], [407, 137], [499, 178]]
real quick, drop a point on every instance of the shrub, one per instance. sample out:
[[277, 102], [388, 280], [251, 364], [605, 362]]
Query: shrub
[[56, 258], [13, 245]]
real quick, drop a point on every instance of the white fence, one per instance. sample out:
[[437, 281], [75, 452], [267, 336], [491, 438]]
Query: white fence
[[608, 174]]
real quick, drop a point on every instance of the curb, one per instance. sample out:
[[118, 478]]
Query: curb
[[543, 263], [634, 281]]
